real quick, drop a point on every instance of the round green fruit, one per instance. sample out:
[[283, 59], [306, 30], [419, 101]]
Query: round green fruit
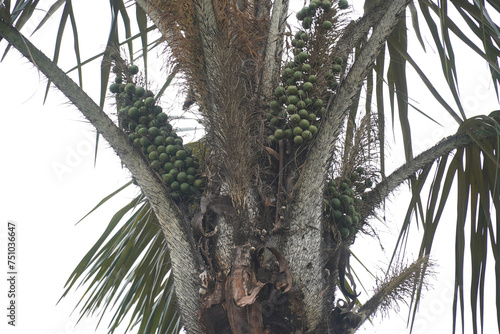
[[303, 56], [279, 134], [292, 90], [181, 154], [313, 129], [153, 155], [335, 202], [130, 88], [133, 69], [304, 124], [153, 131], [168, 166], [114, 88], [280, 91], [175, 186], [292, 99], [343, 4], [159, 140], [326, 5], [275, 105], [327, 25], [336, 68], [182, 177], [306, 23], [149, 101], [140, 91], [295, 118], [179, 164], [312, 78], [297, 75], [344, 231], [308, 86], [198, 183], [167, 178], [133, 112], [337, 215], [297, 131], [298, 140], [307, 135], [184, 188]]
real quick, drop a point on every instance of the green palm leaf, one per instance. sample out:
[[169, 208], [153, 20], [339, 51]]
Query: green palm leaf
[[128, 270]]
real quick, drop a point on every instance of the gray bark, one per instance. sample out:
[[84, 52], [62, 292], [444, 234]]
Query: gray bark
[[304, 248], [183, 253]]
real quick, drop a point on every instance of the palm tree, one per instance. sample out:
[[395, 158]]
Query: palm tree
[[256, 236]]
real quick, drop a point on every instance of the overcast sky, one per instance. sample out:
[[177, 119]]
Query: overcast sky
[[50, 182]]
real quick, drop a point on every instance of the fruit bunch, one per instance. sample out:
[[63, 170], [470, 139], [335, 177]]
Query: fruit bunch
[[296, 113], [343, 200], [148, 129]]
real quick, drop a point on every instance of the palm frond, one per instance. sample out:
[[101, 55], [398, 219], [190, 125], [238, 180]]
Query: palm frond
[[128, 270]]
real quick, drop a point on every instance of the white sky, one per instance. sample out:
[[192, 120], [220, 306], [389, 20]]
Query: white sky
[[46, 203]]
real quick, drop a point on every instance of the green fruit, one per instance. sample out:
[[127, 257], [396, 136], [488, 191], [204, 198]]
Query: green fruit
[[304, 124], [181, 154], [174, 172], [301, 14], [291, 108], [298, 140], [351, 210], [133, 69], [182, 177], [288, 133], [198, 183], [157, 111], [144, 142], [137, 142], [301, 104], [327, 25], [279, 134], [308, 86], [335, 202], [185, 187], [297, 75], [291, 90], [191, 171], [140, 91], [345, 199], [175, 185], [114, 88], [303, 113], [337, 215], [118, 80], [306, 67], [153, 131], [292, 99], [279, 91], [149, 101], [318, 103], [344, 231], [275, 105], [155, 164], [171, 149], [175, 195], [295, 118], [343, 4], [313, 129], [179, 164], [303, 56], [306, 23], [130, 88], [153, 155], [300, 44], [339, 60], [347, 221], [312, 6], [163, 157], [326, 5], [271, 139], [297, 131], [168, 166], [287, 72], [336, 68], [333, 84], [311, 117], [133, 112], [307, 135], [159, 140], [167, 178], [312, 78]]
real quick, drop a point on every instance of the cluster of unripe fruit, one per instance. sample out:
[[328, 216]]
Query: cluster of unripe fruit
[[296, 113], [343, 199], [148, 129]]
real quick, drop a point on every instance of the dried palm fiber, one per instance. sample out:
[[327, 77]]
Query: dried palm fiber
[[218, 45]]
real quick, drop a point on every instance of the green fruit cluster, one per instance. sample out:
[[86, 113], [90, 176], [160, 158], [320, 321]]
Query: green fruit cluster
[[296, 112], [148, 129], [343, 200]]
